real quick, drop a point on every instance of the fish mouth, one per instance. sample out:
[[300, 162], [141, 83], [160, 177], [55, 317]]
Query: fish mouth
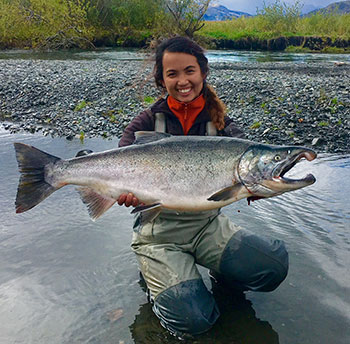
[[269, 177], [279, 172]]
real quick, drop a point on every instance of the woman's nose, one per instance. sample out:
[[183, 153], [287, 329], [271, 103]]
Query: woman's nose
[[182, 80]]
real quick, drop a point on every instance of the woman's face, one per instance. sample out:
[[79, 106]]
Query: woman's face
[[182, 76]]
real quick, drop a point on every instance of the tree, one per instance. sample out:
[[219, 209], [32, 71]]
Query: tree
[[187, 15], [280, 16], [53, 24]]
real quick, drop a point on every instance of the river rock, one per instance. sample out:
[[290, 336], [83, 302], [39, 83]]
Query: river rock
[[278, 103]]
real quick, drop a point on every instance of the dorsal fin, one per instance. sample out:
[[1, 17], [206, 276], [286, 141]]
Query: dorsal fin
[[142, 137]]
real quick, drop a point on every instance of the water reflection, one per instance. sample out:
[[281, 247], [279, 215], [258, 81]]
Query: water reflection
[[109, 54], [61, 274], [75, 54], [267, 56], [237, 324]]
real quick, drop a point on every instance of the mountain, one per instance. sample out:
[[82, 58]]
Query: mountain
[[308, 8], [340, 7], [219, 12]]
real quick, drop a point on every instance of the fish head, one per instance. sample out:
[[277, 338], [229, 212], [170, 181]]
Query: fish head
[[262, 169]]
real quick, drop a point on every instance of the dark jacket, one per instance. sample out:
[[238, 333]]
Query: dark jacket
[[146, 119]]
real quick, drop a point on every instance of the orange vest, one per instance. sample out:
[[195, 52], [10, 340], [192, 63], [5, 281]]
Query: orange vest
[[186, 112]]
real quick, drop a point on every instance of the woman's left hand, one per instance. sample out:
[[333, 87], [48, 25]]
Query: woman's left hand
[[128, 199]]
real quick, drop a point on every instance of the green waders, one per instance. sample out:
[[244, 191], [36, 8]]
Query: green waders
[[169, 248]]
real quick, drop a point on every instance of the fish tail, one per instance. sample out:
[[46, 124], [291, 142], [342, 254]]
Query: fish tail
[[32, 187]]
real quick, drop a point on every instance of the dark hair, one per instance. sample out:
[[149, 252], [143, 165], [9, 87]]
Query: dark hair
[[179, 44]]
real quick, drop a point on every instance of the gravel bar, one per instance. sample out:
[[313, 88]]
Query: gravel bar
[[277, 103]]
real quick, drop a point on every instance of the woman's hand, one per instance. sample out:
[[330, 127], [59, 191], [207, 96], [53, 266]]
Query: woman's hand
[[128, 199]]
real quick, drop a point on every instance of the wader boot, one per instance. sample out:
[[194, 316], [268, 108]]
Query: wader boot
[[169, 248]]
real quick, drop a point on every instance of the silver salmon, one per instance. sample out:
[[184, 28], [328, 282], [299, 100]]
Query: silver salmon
[[183, 173]]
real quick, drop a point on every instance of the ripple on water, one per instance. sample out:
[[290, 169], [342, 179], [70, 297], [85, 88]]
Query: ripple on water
[[61, 273]]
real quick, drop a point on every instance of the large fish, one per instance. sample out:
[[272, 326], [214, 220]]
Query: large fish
[[184, 173]]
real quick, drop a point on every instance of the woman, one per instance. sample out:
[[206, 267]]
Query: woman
[[169, 247]]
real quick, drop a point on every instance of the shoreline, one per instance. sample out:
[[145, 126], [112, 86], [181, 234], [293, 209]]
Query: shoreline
[[278, 43], [273, 102]]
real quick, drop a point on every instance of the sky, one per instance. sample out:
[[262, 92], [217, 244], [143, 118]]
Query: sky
[[249, 6]]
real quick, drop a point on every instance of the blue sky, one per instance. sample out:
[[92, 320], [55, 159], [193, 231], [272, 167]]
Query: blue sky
[[250, 6]]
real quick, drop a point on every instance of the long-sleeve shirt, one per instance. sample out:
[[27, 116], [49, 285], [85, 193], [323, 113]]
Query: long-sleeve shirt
[[145, 121]]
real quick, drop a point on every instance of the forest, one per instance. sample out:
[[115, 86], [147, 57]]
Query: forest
[[87, 24]]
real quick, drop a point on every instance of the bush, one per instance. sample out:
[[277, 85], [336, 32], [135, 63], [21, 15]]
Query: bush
[[46, 24]]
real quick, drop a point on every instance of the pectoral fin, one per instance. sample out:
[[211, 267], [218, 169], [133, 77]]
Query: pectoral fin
[[148, 212], [97, 204], [226, 193]]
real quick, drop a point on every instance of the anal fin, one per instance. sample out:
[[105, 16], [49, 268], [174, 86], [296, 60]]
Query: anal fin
[[97, 204]]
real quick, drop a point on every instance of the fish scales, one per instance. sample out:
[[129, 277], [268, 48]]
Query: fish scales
[[176, 172]]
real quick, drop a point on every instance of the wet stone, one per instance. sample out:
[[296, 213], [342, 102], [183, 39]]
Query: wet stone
[[293, 104]]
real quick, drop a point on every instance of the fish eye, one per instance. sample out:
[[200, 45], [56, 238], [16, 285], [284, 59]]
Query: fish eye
[[277, 157]]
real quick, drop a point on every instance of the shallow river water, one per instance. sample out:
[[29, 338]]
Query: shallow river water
[[213, 55], [67, 279]]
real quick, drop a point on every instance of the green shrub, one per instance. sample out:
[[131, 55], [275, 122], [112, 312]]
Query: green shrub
[[255, 125], [80, 105]]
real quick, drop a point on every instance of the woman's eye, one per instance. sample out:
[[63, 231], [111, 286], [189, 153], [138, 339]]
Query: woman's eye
[[171, 73]]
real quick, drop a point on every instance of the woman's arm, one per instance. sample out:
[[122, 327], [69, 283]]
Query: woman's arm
[[231, 129], [143, 122]]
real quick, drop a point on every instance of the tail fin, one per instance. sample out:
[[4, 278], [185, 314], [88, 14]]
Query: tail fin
[[32, 187]]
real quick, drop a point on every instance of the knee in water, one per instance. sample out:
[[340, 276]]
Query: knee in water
[[278, 271], [187, 308]]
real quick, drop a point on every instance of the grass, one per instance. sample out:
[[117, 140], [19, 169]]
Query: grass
[[267, 27], [323, 124], [80, 105], [255, 125], [149, 99], [61, 24], [82, 136]]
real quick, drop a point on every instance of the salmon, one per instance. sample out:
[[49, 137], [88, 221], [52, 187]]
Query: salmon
[[182, 173]]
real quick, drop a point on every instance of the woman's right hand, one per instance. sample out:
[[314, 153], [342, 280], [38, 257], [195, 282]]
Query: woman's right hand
[[128, 199]]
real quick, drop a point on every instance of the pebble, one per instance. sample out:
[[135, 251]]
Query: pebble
[[294, 103]]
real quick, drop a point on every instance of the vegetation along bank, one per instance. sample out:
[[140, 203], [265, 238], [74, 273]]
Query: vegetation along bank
[[87, 24]]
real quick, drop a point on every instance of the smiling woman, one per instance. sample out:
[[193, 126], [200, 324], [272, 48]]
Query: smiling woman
[[169, 246]]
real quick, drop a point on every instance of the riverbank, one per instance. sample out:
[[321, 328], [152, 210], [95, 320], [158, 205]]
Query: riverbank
[[280, 103], [282, 43]]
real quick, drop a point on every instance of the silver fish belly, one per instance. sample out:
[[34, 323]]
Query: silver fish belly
[[184, 173]]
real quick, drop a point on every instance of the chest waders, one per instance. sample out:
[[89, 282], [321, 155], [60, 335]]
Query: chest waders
[[169, 248]]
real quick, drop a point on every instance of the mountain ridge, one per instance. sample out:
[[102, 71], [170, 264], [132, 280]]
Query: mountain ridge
[[339, 7], [221, 12]]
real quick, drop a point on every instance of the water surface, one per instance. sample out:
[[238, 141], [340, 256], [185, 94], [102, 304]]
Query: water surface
[[108, 54], [61, 273]]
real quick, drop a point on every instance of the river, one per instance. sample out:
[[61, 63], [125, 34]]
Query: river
[[67, 279], [213, 55]]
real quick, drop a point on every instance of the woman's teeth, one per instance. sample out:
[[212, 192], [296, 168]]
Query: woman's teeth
[[186, 90]]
